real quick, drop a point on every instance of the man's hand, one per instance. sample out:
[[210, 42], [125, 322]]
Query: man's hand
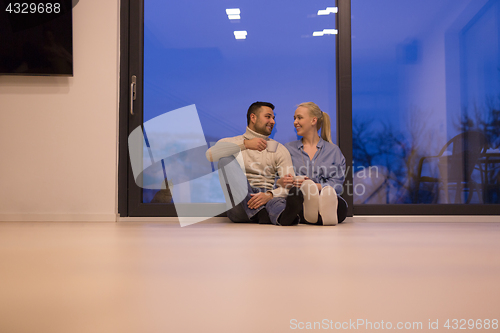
[[286, 181], [255, 144], [259, 199]]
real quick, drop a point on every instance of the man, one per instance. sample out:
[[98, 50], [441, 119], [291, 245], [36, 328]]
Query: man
[[263, 203]]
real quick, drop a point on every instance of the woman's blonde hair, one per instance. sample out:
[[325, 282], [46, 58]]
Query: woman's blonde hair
[[323, 120]]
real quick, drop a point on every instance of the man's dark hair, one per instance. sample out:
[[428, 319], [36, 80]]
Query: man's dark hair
[[254, 108]]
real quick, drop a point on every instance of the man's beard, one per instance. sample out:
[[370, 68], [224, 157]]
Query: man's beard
[[262, 129]]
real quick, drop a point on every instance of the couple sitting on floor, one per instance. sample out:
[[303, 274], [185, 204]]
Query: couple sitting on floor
[[311, 196]]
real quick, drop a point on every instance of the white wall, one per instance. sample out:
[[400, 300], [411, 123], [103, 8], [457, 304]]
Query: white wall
[[58, 136]]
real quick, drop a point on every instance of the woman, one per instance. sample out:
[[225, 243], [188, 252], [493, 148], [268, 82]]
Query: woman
[[321, 165]]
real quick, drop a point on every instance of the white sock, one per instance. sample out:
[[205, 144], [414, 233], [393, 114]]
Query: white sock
[[328, 203], [311, 200]]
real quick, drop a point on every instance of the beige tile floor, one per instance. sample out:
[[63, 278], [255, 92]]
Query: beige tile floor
[[223, 277]]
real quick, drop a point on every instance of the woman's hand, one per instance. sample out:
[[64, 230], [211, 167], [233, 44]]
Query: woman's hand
[[286, 181], [298, 181]]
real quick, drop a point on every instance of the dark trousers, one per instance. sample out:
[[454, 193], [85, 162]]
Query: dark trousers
[[238, 210]]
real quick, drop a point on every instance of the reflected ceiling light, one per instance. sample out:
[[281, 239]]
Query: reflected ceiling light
[[233, 17], [328, 11], [240, 34], [325, 32], [233, 11], [330, 31]]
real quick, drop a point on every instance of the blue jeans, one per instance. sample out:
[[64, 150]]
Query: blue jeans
[[241, 212]]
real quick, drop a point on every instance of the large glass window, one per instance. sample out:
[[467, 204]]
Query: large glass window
[[221, 56], [426, 101]]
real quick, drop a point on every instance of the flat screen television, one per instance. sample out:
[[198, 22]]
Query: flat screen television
[[36, 38]]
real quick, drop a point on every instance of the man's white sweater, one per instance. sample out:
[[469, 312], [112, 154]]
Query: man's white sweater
[[261, 167]]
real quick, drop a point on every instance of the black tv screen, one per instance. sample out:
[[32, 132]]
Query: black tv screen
[[36, 38]]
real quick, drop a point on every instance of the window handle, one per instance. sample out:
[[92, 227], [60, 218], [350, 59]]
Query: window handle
[[133, 93]]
